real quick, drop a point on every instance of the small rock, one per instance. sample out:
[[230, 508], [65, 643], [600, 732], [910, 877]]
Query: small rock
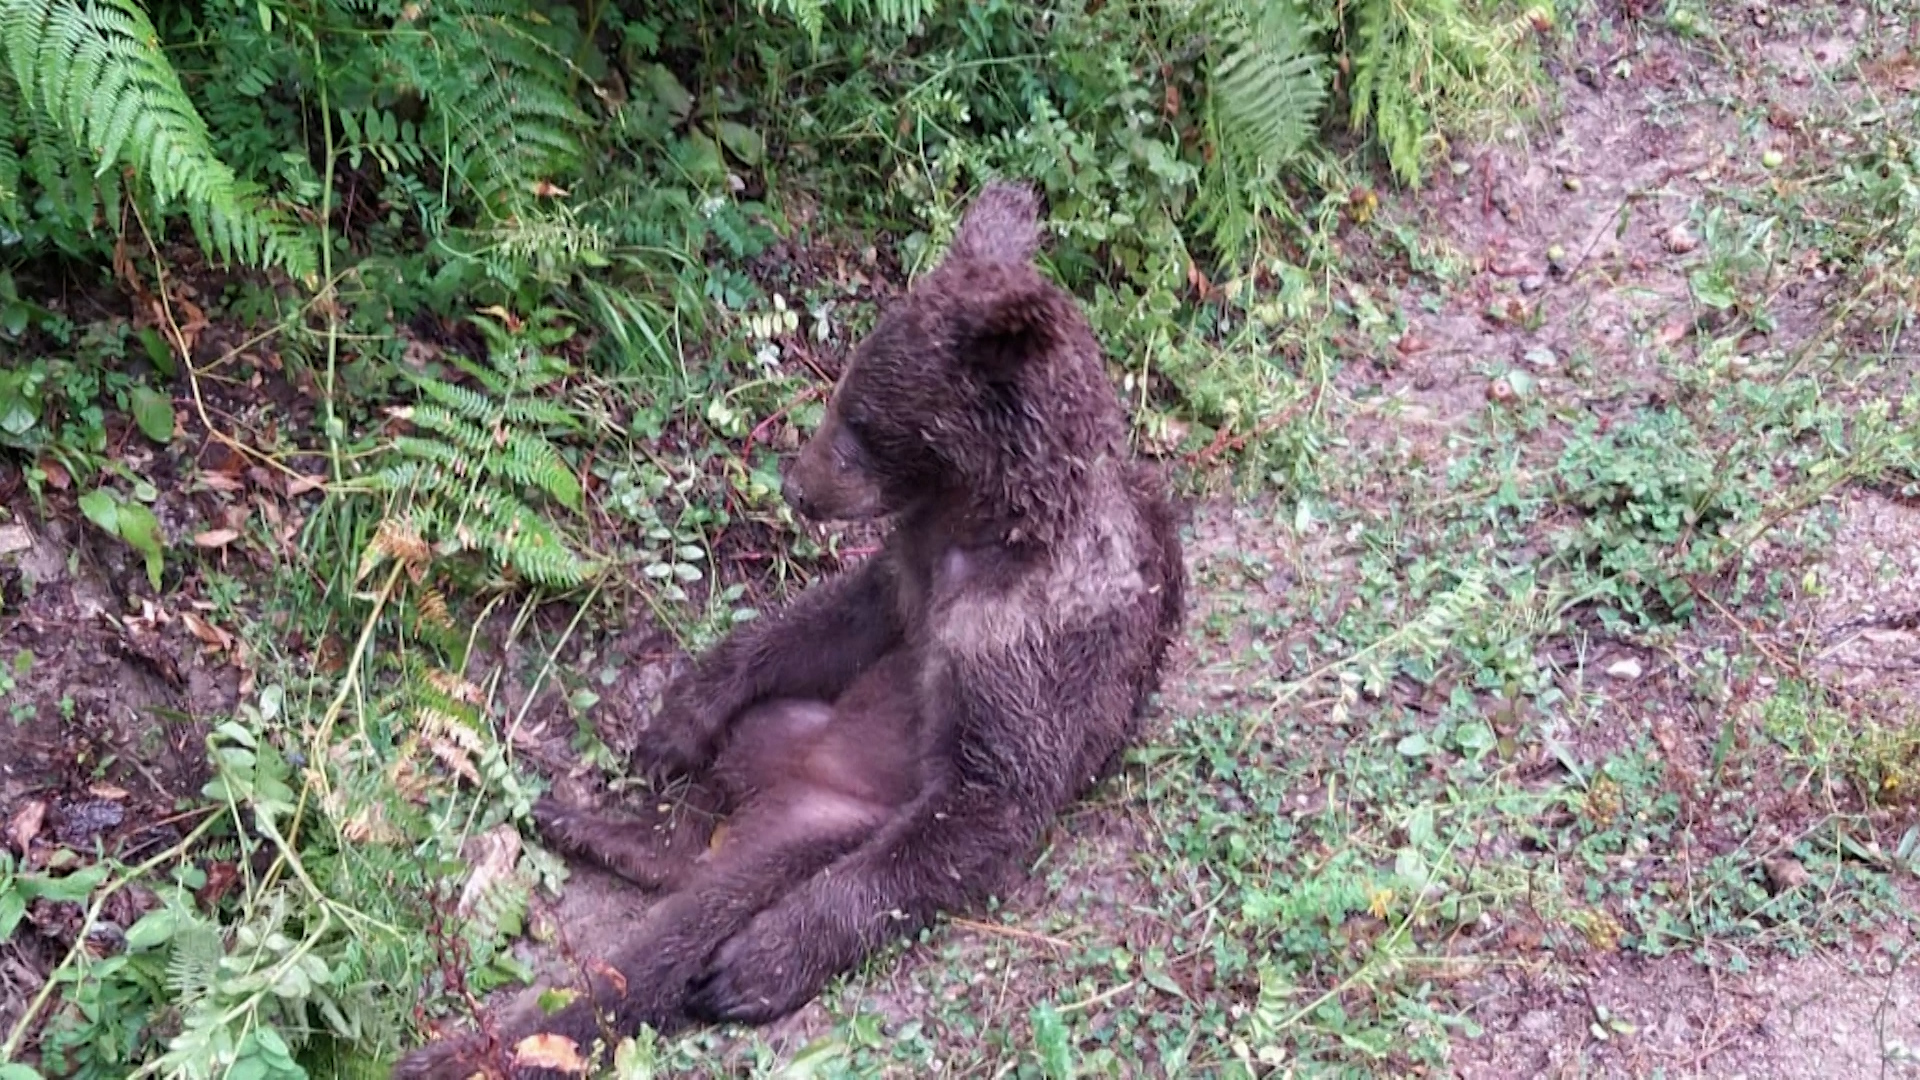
[[1533, 283], [1786, 873], [1680, 239], [15, 538], [1625, 670]]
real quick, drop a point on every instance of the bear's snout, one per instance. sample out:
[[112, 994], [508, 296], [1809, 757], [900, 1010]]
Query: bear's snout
[[822, 487]]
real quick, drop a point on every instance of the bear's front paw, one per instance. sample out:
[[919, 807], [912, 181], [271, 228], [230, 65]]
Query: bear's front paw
[[677, 740], [758, 976], [560, 825]]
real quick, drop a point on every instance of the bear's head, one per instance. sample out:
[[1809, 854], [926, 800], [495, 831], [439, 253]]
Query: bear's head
[[983, 390]]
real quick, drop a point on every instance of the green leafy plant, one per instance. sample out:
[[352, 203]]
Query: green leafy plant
[[1419, 64], [482, 451], [95, 72], [1657, 503], [131, 523]]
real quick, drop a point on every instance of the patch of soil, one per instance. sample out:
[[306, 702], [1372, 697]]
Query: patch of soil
[[1577, 247], [101, 741], [1851, 1013], [1869, 616]]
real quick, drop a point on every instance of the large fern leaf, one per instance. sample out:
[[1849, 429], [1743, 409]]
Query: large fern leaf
[[812, 14], [503, 97], [96, 70], [1420, 66], [1268, 85]]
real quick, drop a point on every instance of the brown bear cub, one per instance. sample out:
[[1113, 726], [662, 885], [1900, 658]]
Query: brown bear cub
[[893, 744]]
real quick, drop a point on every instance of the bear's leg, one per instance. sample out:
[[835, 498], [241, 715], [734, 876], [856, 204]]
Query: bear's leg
[[652, 846], [771, 844], [938, 857]]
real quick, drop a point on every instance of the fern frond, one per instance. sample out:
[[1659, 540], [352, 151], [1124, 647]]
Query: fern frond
[[516, 536], [455, 460], [98, 73], [1269, 86], [504, 100], [538, 411], [193, 964], [532, 461], [12, 133], [810, 14], [464, 433], [1419, 65], [471, 404]]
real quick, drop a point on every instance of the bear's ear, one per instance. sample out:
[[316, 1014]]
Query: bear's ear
[[1002, 225], [1001, 330]]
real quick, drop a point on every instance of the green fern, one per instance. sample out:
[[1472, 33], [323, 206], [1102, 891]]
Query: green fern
[[1268, 84], [37, 158], [812, 14], [480, 455], [502, 95], [193, 963], [1423, 65], [97, 73]]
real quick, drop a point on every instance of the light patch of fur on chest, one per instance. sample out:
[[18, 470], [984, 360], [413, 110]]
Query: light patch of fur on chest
[[1094, 573]]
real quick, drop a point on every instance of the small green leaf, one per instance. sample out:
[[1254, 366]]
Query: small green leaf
[[154, 929], [1050, 1040], [746, 143], [16, 1071], [700, 156], [158, 351], [103, 509], [17, 415], [667, 90], [811, 1059], [1161, 981], [70, 889], [153, 411], [12, 907], [141, 530], [248, 1068]]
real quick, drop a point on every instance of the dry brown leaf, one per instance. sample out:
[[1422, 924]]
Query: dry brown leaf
[[108, 791], [219, 481], [300, 485], [549, 1051], [1786, 873], [25, 824], [512, 322], [216, 538], [210, 635], [492, 856], [609, 973], [1675, 331]]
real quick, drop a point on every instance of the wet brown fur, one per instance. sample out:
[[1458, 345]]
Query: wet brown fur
[[893, 743]]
